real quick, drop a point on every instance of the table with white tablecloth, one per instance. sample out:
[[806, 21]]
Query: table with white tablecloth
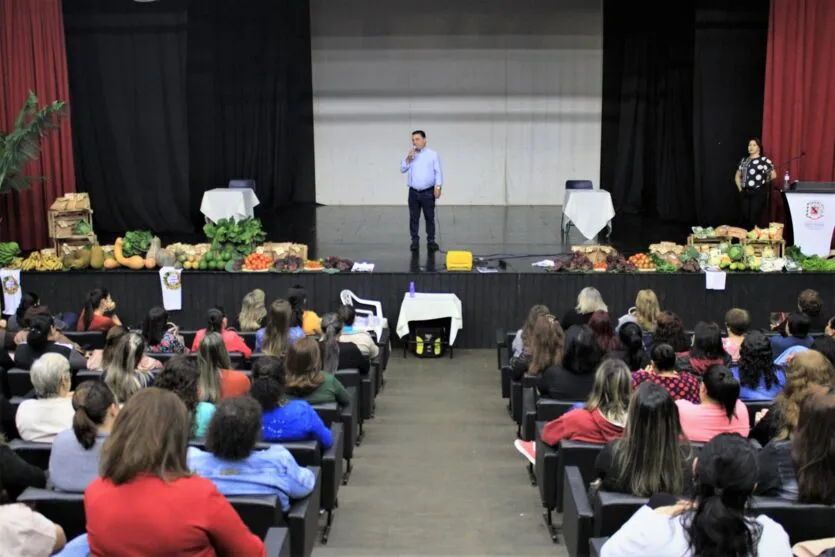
[[590, 211], [227, 203], [424, 306]]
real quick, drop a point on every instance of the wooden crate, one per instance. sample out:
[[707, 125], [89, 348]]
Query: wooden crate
[[703, 245], [779, 246], [61, 223]]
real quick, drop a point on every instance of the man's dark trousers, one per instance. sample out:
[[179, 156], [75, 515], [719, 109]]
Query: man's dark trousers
[[424, 199]]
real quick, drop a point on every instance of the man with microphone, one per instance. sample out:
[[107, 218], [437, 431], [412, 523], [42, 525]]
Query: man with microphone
[[424, 177]]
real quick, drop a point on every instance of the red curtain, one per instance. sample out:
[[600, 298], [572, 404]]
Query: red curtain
[[33, 57], [799, 108]]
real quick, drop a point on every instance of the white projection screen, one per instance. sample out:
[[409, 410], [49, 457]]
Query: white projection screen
[[509, 93]]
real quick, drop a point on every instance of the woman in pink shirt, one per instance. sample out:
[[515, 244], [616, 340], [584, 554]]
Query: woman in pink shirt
[[218, 323], [721, 411]]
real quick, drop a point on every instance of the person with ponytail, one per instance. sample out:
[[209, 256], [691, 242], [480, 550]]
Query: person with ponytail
[[277, 334], [336, 354], [305, 378], [122, 374], [101, 358], [43, 338], [303, 317], [74, 460], [217, 380], [715, 523], [720, 410], [632, 349], [217, 322], [97, 314]]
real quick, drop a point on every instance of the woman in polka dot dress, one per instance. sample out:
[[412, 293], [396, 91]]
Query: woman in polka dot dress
[[752, 177]]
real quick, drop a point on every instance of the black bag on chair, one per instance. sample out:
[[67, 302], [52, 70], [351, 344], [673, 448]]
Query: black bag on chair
[[429, 342]]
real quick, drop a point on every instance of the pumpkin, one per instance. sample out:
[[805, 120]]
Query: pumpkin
[[136, 262], [150, 263], [110, 263]]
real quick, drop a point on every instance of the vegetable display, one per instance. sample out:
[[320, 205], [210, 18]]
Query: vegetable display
[[241, 235], [136, 242], [8, 251], [811, 263]]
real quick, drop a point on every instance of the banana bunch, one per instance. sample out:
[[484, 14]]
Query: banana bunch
[[17, 263], [39, 262]]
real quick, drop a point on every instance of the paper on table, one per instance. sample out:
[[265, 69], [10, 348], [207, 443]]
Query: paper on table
[[363, 267], [486, 269], [715, 280], [544, 263]]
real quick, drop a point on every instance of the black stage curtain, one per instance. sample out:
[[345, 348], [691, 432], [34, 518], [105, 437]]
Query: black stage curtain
[[170, 99], [679, 101]]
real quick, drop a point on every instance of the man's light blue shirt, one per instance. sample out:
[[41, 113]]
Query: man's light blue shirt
[[424, 171]]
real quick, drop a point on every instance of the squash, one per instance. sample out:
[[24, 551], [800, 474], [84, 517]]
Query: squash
[[154, 249], [165, 258], [96, 257], [110, 263], [150, 263], [136, 262]]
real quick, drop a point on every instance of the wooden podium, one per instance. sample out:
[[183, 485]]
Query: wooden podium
[[810, 214]]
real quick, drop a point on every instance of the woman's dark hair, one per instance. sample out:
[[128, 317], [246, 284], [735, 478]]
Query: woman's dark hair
[[604, 331], [91, 401], [28, 300], [723, 388], [331, 328], [180, 376], [650, 455], [726, 474], [268, 382], [297, 296], [759, 144], [277, 329], [664, 357], [215, 317], [584, 353], [347, 314], [670, 330], [755, 361], [91, 304], [545, 344], [737, 321], [813, 449], [155, 325], [826, 346], [707, 342], [234, 429], [39, 328], [799, 325], [632, 338]]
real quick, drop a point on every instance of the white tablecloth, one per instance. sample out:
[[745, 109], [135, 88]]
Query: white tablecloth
[[225, 203], [588, 210], [425, 306]]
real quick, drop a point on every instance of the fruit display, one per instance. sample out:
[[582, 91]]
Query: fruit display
[[40, 262], [313, 266], [289, 264], [257, 262], [16, 263], [342, 265], [643, 262], [8, 251], [619, 264], [579, 262]]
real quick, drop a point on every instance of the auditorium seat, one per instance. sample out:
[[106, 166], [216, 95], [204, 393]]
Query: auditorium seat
[[755, 406], [350, 378], [536, 409], [85, 375], [88, 340], [517, 408], [188, 338], [66, 509], [19, 382], [277, 542], [36, 454], [249, 339]]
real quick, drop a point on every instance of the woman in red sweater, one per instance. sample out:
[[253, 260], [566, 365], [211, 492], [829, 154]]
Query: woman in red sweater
[[603, 416], [217, 378], [98, 312], [218, 323], [146, 502]]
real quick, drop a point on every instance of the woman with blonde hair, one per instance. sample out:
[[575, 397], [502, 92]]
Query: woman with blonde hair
[[644, 313], [589, 300], [277, 334], [305, 378], [253, 311], [122, 374], [217, 378]]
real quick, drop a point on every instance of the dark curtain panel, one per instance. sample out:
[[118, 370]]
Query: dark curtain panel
[[250, 98], [127, 65]]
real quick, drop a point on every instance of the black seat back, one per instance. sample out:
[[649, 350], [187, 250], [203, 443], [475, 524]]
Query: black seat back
[[612, 510], [88, 340], [249, 338], [66, 509], [755, 406], [258, 512], [800, 520], [579, 454], [85, 375], [306, 453], [36, 454], [19, 382], [548, 409], [329, 412]]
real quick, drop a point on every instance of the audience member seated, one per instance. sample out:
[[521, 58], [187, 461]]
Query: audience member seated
[[277, 334], [362, 339], [706, 351], [737, 322], [662, 370], [720, 410], [74, 460], [603, 416], [574, 379], [26, 533], [161, 337], [589, 300], [217, 323], [217, 378], [632, 349], [15, 476], [339, 355], [715, 522], [653, 456], [101, 358], [41, 419], [644, 314], [669, 329], [43, 339], [305, 378], [253, 311], [231, 462], [796, 333], [806, 372], [15, 322], [97, 314], [759, 378], [282, 419], [543, 344], [523, 336], [829, 330], [146, 501], [826, 346], [180, 376], [122, 374], [604, 333], [302, 317], [30, 306], [810, 304], [800, 468]]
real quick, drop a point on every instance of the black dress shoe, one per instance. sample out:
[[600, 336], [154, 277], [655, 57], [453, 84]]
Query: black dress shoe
[[415, 246], [432, 246]]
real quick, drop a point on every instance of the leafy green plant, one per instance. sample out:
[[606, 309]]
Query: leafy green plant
[[242, 235], [136, 242], [22, 144]]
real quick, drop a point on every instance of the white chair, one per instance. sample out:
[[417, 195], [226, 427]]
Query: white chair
[[375, 318]]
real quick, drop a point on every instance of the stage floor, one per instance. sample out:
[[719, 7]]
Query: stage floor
[[380, 234]]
